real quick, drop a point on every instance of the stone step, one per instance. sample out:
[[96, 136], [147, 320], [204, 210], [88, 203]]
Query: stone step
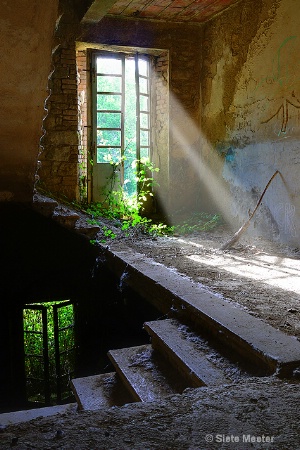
[[145, 374], [10, 418], [44, 205], [65, 217], [172, 293], [100, 391], [85, 229], [183, 354]]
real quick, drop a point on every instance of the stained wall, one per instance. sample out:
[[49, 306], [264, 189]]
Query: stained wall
[[26, 37], [250, 114]]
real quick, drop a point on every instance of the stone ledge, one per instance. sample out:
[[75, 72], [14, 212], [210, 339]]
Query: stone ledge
[[235, 328]]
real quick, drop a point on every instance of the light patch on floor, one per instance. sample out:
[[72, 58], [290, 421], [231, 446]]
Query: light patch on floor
[[283, 273]]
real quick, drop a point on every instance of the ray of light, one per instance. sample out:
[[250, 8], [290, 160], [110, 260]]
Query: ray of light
[[286, 276], [189, 143]]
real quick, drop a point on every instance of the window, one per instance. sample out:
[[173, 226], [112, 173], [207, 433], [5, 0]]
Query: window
[[121, 116], [49, 351]]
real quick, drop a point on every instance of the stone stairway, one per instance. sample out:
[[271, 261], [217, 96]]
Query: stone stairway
[[177, 359], [183, 354], [65, 216], [204, 341], [167, 366]]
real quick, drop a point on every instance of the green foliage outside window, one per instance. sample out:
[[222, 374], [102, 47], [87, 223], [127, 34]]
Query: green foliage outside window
[[34, 349]]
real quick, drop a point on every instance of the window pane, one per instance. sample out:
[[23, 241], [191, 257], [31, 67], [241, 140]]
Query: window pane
[[144, 103], [107, 155], [109, 65], [109, 84], [34, 367], [143, 67], [67, 361], [144, 137], [109, 102], [144, 152], [65, 316], [33, 320], [33, 344], [143, 85], [109, 137], [66, 339], [108, 120], [144, 120]]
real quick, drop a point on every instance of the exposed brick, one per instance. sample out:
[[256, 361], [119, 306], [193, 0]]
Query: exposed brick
[[70, 112], [70, 90]]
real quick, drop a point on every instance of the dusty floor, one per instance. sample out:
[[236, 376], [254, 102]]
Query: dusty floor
[[260, 276], [253, 414], [257, 414]]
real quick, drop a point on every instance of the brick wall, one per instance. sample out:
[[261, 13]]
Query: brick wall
[[59, 158], [58, 173]]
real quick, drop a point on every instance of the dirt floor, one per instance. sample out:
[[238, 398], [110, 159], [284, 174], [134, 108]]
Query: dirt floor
[[260, 276], [254, 414]]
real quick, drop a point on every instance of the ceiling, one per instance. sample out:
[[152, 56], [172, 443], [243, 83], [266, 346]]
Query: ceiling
[[193, 11]]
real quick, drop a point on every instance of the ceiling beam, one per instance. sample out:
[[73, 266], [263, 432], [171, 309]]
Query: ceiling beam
[[97, 11]]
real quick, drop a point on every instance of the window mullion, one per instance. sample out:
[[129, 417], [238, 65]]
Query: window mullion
[[138, 109], [46, 356]]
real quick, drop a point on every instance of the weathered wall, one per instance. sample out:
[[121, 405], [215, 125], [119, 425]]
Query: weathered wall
[[233, 103], [59, 169], [251, 109], [26, 36], [160, 124]]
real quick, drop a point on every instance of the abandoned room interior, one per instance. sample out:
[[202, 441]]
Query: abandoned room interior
[[150, 331]]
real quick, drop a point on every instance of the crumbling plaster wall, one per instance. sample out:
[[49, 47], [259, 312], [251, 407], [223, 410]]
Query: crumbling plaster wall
[[251, 110], [26, 36]]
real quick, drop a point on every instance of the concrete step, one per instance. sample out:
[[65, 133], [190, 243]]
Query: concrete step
[[100, 391], [183, 354], [176, 295], [10, 418], [145, 374]]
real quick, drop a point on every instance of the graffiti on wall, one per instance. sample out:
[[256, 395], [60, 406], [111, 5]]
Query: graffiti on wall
[[283, 113], [283, 79]]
